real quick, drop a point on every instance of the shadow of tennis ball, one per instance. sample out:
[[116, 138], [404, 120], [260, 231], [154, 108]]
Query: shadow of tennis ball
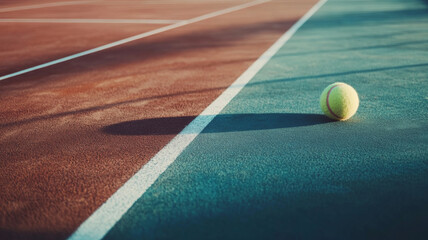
[[221, 123]]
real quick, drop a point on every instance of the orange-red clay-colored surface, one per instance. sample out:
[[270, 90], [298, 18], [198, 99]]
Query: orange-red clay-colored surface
[[6, 4], [129, 10], [58, 164], [54, 41]]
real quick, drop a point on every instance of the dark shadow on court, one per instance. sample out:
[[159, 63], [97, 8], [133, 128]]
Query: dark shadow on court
[[221, 123], [180, 93], [368, 18], [385, 46], [6, 233], [338, 74], [146, 49]]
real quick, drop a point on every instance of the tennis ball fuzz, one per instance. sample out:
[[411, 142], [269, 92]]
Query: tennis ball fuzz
[[339, 101]]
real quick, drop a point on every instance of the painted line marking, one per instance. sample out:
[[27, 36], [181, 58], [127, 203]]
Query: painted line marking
[[328, 101], [44, 5], [72, 20], [139, 36], [108, 214]]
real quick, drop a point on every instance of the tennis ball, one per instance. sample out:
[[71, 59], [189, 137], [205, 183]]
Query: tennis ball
[[339, 101]]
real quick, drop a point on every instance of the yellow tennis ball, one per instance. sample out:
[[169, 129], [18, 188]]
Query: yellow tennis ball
[[339, 101]]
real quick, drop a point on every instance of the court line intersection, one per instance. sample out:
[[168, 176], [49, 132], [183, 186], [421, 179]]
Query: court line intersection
[[139, 36]]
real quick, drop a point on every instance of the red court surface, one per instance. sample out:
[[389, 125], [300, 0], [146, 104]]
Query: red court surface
[[52, 41], [128, 10], [26, 3], [58, 165]]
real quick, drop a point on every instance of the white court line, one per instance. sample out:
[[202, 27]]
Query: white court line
[[139, 36], [108, 214], [43, 5], [72, 20]]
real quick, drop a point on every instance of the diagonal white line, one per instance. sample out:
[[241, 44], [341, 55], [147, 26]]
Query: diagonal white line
[[105, 217], [43, 5], [82, 20], [136, 37]]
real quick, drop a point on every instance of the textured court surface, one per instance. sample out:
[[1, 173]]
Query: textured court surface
[[269, 166]]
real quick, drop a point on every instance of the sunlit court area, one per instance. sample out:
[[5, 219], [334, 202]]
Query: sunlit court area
[[214, 119]]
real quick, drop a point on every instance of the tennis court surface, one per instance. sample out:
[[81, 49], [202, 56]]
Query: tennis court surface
[[200, 119]]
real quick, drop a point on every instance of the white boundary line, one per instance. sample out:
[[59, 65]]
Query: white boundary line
[[108, 214], [139, 36], [43, 5], [79, 20]]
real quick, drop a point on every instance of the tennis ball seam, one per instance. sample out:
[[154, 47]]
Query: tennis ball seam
[[328, 103]]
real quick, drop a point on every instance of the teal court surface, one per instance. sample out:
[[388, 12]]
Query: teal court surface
[[270, 166]]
